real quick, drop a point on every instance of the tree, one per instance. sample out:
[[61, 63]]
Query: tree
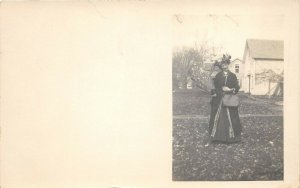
[[183, 61], [188, 63]]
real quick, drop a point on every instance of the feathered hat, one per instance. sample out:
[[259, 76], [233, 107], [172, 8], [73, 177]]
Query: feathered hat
[[225, 59]]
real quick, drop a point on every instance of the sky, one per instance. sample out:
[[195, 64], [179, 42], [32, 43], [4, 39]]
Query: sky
[[227, 32]]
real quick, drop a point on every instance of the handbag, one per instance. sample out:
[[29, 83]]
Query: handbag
[[230, 100]]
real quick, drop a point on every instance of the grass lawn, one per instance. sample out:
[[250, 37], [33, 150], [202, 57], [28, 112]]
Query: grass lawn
[[258, 157]]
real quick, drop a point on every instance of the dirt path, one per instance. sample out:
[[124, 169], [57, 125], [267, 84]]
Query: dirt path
[[206, 117]]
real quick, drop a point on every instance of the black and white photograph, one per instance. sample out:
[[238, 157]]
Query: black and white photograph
[[149, 94], [227, 95]]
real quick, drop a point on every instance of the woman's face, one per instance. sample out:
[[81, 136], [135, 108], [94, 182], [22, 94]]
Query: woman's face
[[216, 68], [224, 66]]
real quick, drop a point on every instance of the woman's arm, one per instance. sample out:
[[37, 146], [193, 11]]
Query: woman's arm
[[218, 85]]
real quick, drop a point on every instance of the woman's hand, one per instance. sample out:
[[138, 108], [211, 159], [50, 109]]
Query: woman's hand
[[226, 88]]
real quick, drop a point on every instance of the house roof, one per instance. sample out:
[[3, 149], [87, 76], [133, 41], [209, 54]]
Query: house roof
[[266, 49]]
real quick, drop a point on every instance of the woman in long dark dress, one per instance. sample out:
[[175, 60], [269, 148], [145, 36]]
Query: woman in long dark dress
[[224, 124]]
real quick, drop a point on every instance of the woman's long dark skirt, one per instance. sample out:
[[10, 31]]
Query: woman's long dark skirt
[[224, 124]]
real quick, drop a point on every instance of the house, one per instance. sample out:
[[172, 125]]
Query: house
[[237, 67], [263, 67]]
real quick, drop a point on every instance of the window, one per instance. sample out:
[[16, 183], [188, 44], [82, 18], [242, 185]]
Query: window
[[237, 68]]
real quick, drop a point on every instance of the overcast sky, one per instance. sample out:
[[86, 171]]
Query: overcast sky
[[226, 31]]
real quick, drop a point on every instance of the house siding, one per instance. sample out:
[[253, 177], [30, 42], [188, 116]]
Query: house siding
[[249, 64], [275, 65], [253, 67]]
